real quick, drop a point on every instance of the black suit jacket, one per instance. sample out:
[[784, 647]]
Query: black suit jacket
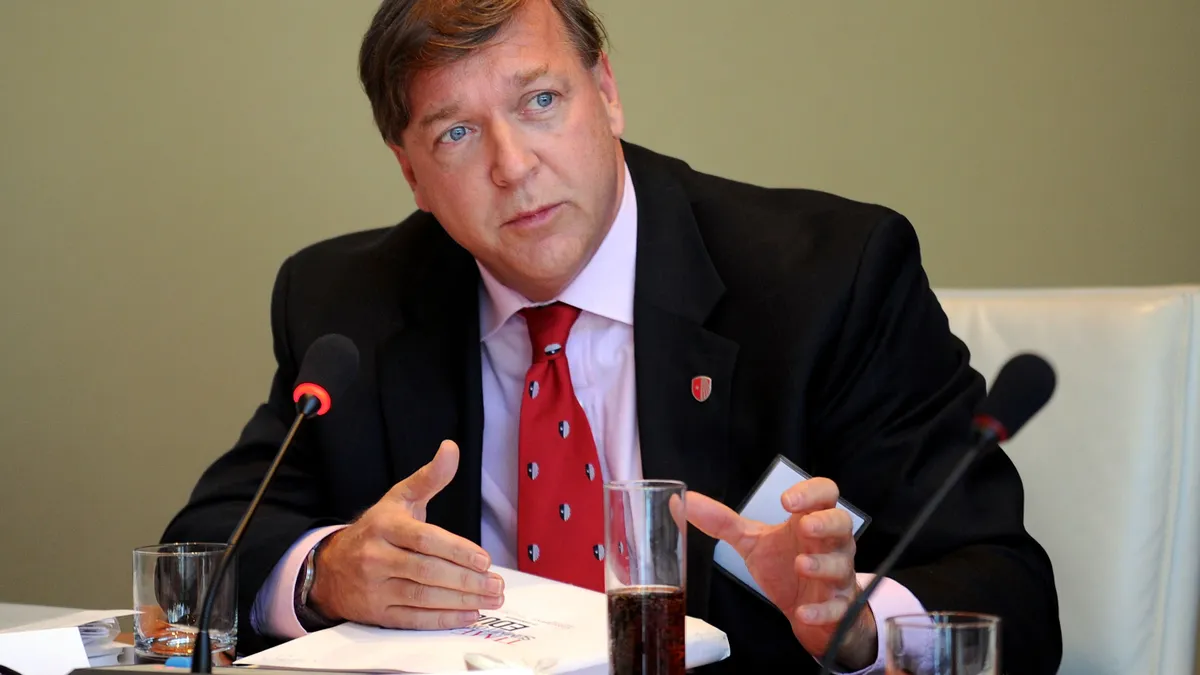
[[811, 314]]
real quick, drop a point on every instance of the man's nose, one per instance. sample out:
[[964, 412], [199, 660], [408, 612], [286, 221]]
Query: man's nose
[[513, 159]]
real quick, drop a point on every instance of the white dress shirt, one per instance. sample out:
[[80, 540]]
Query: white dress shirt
[[601, 357]]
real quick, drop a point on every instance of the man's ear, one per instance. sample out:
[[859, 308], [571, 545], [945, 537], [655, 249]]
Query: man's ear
[[406, 167], [607, 83]]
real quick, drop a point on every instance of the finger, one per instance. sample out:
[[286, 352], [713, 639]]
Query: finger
[[416, 618], [431, 478], [717, 520], [829, 524], [824, 613], [431, 571], [412, 594], [414, 535], [810, 495], [836, 568], [677, 505]]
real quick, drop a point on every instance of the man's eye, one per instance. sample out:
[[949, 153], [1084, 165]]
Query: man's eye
[[454, 134], [543, 100]]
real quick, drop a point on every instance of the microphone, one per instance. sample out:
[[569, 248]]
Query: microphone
[[1022, 387], [329, 367]]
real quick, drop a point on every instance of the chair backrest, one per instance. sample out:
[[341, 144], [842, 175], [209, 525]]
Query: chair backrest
[[1111, 466]]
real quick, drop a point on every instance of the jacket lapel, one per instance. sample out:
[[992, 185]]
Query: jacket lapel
[[683, 421], [429, 379]]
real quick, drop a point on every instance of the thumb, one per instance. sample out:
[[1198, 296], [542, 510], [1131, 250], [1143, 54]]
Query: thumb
[[719, 521], [430, 479]]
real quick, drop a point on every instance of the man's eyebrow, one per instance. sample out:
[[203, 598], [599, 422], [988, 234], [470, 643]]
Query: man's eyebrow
[[526, 77], [443, 113]]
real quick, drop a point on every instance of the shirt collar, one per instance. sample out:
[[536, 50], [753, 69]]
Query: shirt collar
[[604, 286]]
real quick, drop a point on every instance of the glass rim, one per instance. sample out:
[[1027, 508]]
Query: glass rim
[[173, 548], [956, 620], [646, 485]]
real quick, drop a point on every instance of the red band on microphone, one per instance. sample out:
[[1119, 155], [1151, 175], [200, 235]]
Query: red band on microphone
[[993, 425], [316, 391]]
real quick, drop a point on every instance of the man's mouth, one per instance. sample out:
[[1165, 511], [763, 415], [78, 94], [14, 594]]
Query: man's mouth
[[533, 217]]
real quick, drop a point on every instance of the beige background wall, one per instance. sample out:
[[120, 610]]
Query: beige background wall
[[159, 159]]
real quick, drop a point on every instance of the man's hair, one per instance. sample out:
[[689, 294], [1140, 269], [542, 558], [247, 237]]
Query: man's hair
[[409, 36]]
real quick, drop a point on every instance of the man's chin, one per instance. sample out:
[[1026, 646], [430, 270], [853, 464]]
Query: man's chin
[[543, 283]]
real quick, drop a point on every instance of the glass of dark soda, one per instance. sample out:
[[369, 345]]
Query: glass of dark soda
[[645, 564]]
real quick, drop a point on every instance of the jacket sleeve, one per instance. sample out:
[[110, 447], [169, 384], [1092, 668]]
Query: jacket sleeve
[[294, 503], [897, 394]]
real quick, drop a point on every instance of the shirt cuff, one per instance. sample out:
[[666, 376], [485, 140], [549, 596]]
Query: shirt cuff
[[274, 611], [890, 598]]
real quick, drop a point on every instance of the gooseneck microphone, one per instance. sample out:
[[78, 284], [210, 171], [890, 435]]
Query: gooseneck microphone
[[329, 367], [1022, 387]]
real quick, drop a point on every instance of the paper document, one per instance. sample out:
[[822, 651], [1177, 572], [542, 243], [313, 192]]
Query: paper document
[[549, 627], [73, 620], [55, 651], [96, 629]]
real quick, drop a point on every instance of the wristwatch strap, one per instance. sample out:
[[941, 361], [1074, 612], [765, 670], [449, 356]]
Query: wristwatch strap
[[310, 619]]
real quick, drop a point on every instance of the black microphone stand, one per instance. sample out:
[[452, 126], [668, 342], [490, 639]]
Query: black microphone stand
[[307, 406], [986, 438]]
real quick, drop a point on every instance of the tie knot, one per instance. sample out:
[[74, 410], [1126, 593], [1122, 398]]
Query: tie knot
[[549, 326]]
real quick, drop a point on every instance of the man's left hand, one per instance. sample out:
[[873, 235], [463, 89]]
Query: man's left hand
[[805, 565]]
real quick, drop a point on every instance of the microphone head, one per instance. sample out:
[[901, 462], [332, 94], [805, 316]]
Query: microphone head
[[1022, 387], [329, 367]]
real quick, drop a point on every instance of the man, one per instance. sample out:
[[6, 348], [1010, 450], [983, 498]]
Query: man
[[568, 308]]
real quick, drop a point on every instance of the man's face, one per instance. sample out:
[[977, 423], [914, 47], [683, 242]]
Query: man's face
[[515, 150]]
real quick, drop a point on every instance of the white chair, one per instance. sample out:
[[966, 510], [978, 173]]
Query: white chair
[[1111, 466]]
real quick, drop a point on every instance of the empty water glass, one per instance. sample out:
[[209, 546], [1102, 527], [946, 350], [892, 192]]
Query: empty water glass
[[169, 585], [943, 643]]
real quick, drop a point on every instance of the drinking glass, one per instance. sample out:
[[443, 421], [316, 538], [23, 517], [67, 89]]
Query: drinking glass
[[645, 539], [169, 585], [943, 643]]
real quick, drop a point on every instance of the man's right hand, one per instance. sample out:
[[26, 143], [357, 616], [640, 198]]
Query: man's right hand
[[390, 568]]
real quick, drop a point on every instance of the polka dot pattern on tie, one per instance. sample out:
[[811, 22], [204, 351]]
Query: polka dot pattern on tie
[[560, 509]]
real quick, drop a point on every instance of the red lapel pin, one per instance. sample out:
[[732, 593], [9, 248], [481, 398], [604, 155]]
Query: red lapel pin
[[701, 387]]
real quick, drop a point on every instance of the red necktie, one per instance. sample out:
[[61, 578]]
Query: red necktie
[[560, 495]]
